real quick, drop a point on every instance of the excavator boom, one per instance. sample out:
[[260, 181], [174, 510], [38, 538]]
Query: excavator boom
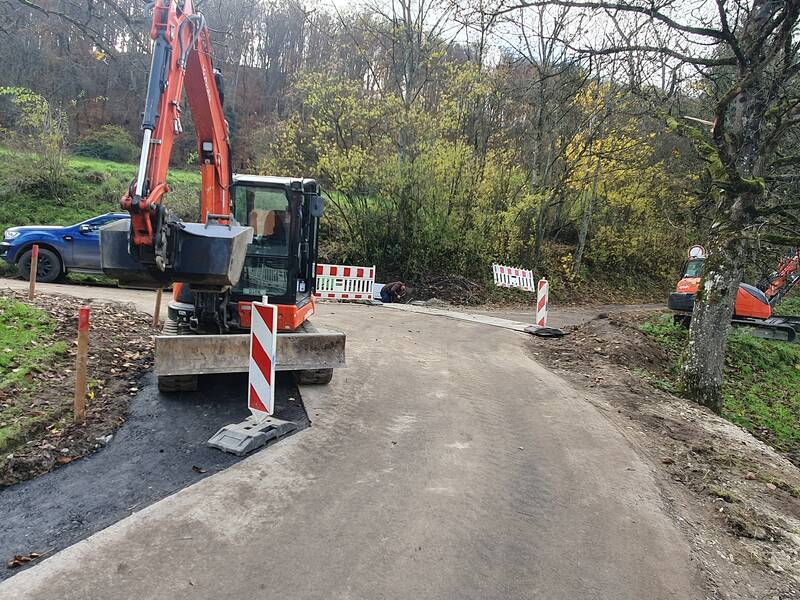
[[157, 249], [779, 283]]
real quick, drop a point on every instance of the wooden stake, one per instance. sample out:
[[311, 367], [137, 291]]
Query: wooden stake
[[157, 310], [81, 363], [34, 271]]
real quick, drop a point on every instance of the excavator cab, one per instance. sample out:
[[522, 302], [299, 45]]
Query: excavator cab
[[283, 214], [279, 260], [750, 301]]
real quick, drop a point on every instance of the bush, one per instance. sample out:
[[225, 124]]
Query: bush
[[110, 142], [30, 123]]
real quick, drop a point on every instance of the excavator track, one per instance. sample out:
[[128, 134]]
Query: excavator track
[[784, 329]]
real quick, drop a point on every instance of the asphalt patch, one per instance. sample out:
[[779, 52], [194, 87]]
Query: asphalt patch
[[159, 450]]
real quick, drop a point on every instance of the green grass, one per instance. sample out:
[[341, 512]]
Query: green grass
[[90, 187], [761, 387], [26, 343], [790, 304]]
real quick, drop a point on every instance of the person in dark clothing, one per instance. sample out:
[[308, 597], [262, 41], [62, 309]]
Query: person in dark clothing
[[392, 292]]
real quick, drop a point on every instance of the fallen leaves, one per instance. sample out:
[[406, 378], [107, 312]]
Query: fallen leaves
[[121, 350], [23, 559]]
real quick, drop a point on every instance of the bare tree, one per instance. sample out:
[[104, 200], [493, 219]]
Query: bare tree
[[745, 56]]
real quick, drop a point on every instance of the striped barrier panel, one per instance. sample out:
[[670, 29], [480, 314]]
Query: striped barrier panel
[[263, 338], [513, 277], [542, 292], [345, 282]]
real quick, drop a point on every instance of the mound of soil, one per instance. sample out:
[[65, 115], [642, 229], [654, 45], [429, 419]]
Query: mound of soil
[[120, 351], [736, 497], [452, 289]]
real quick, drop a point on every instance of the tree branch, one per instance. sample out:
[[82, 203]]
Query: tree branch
[[650, 11]]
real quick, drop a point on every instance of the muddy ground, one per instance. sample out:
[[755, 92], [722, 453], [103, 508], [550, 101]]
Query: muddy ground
[[120, 352], [736, 497]]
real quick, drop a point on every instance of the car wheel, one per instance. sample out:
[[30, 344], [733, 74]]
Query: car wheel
[[48, 268]]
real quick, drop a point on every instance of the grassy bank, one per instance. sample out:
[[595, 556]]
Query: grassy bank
[[761, 386], [37, 379], [27, 343], [790, 306], [90, 187]]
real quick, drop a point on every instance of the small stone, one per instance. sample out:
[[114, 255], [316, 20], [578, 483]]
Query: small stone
[[750, 476], [772, 486], [668, 460]]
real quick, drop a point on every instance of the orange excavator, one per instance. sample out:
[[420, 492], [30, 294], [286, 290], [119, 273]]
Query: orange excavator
[[257, 238], [754, 306]]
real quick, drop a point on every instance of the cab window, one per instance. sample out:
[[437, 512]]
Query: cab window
[[266, 266], [266, 210], [694, 268]]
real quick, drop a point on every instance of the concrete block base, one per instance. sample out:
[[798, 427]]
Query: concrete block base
[[251, 434]]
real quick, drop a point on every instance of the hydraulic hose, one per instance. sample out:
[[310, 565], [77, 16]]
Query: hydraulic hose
[[197, 22]]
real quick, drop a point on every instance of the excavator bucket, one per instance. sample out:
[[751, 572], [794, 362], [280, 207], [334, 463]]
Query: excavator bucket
[[209, 256]]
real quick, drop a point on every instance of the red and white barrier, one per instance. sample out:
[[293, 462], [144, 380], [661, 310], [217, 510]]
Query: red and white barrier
[[523, 279], [263, 336], [513, 277], [542, 293], [345, 282]]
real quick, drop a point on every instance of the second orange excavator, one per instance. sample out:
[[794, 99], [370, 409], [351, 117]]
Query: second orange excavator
[[754, 306]]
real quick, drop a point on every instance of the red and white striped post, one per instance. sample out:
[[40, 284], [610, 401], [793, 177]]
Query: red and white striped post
[[81, 364], [542, 290], [34, 271], [263, 338]]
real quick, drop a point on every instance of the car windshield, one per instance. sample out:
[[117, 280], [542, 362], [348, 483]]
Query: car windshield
[[267, 211], [96, 223], [694, 268]]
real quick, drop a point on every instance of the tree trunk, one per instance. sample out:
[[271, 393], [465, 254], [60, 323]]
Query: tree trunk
[[538, 240], [587, 218], [713, 309]]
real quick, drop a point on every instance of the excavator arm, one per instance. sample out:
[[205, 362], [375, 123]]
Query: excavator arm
[[781, 281], [162, 249]]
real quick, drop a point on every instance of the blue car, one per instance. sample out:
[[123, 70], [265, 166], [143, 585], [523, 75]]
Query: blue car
[[75, 248]]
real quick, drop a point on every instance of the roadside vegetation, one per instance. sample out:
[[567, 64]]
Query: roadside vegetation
[[761, 387], [27, 347], [791, 305], [37, 358], [89, 187]]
